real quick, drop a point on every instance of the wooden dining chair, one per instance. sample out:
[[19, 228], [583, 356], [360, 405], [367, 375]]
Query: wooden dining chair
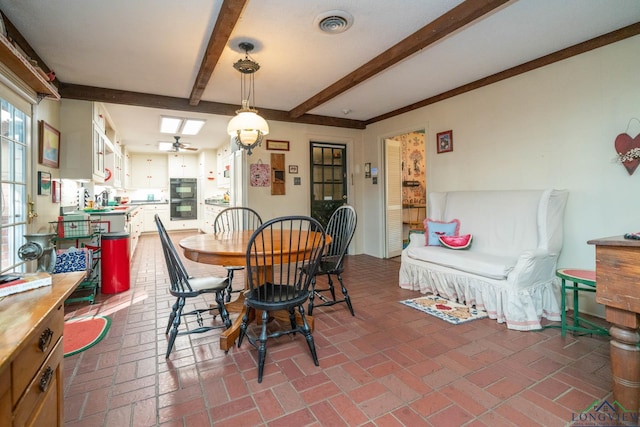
[[182, 286], [235, 219], [341, 228], [282, 255]]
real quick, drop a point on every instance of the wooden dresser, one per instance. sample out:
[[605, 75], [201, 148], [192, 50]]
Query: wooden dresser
[[617, 288], [31, 352]]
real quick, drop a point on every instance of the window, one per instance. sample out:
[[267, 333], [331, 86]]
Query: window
[[14, 135]]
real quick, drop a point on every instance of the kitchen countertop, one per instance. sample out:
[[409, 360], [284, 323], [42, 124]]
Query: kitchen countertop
[[148, 202], [216, 202], [107, 211]]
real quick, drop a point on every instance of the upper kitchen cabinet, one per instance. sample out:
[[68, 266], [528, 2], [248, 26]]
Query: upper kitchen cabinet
[[82, 135], [223, 167], [149, 170], [114, 162], [183, 165]]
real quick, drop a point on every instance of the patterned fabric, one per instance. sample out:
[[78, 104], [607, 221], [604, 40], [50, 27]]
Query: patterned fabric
[[73, 260]]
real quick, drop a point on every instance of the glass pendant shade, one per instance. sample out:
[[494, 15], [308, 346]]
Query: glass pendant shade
[[247, 128]]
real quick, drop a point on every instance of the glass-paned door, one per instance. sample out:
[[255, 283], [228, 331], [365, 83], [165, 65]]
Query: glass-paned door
[[329, 179], [14, 131]]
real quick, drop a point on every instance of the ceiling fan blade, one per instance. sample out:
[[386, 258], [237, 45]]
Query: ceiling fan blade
[[189, 148]]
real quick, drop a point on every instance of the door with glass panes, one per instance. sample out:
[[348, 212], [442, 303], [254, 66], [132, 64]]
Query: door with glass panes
[[329, 179]]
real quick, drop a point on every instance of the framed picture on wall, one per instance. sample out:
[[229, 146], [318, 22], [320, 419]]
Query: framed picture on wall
[[44, 183], [48, 145], [444, 141]]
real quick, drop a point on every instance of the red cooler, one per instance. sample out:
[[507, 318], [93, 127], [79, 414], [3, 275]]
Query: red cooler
[[115, 262]]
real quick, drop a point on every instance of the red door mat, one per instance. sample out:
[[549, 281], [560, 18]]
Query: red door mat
[[81, 333]]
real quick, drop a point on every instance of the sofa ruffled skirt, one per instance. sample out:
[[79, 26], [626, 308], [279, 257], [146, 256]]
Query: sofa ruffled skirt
[[520, 308]]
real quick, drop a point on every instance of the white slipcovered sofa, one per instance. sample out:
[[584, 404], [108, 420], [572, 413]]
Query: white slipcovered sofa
[[509, 270]]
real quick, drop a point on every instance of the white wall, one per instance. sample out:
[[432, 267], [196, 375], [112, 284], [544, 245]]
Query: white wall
[[550, 128]]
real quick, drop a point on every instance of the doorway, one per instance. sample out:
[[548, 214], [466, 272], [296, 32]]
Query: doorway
[[405, 188], [329, 179]]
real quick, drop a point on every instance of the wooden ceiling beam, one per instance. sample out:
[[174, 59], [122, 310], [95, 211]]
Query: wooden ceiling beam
[[456, 18], [228, 17], [603, 40], [116, 96]]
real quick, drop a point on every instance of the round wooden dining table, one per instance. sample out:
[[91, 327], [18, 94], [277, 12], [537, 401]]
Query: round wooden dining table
[[229, 248]]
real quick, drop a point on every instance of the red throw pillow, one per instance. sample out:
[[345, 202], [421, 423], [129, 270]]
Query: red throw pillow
[[456, 242]]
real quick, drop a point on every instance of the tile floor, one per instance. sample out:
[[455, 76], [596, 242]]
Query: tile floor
[[389, 365]]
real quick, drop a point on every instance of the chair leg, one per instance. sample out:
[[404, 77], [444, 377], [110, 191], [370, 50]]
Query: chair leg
[[306, 331], [331, 288], [172, 316], [224, 314], [312, 295], [176, 322], [347, 298], [262, 347], [243, 327], [229, 287]]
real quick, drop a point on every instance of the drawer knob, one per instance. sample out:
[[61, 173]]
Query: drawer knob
[[46, 378], [45, 340]]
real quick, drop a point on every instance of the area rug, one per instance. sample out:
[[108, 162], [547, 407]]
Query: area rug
[[81, 333], [444, 309]]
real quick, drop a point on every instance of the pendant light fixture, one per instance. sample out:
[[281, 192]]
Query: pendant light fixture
[[247, 128]]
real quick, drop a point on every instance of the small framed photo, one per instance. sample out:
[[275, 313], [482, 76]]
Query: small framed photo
[[44, 183], [48, 145], [274, 144], [444, 141], [293, 169]]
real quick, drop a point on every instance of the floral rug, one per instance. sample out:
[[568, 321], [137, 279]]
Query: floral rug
[[444, 309]]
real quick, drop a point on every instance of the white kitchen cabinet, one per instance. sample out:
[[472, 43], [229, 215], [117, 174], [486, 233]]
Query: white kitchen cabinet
[[113, 166], [82, 138], [210, 214], [183, 165], [126, 167], [149, 170], [135, 229], [148, 216], [223, 165]]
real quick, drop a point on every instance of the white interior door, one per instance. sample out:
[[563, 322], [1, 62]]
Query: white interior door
[[393, 196]]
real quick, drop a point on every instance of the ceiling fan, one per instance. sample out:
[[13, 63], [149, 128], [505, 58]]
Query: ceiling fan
[[175, 146]]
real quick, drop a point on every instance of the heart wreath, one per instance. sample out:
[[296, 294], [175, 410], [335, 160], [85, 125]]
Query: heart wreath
[[628, 150]]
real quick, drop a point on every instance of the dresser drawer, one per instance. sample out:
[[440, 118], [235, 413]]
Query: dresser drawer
[[39, 403], [5, 393], [37, 349]]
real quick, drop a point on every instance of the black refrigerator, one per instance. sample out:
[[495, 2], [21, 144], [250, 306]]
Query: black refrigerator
[[183, 201]]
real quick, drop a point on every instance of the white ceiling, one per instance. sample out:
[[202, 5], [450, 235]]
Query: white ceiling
[[157, 46]]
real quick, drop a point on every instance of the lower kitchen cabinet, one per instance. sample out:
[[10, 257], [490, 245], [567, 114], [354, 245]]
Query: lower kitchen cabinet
[[210, 214], [135, 229], [148, 219]]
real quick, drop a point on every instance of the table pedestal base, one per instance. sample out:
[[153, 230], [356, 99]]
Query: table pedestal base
[[625, 366]]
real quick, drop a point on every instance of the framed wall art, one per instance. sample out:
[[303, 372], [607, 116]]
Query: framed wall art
[[293, 169], [44, 183], [444, 141], [274, 144], [48, 145]]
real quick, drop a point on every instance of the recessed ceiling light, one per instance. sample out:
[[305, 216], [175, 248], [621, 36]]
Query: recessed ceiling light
[[170, 124], [334, 21], [192, 126]]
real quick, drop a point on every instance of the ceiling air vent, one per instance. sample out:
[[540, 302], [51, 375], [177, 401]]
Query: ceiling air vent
[[334, 21]]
